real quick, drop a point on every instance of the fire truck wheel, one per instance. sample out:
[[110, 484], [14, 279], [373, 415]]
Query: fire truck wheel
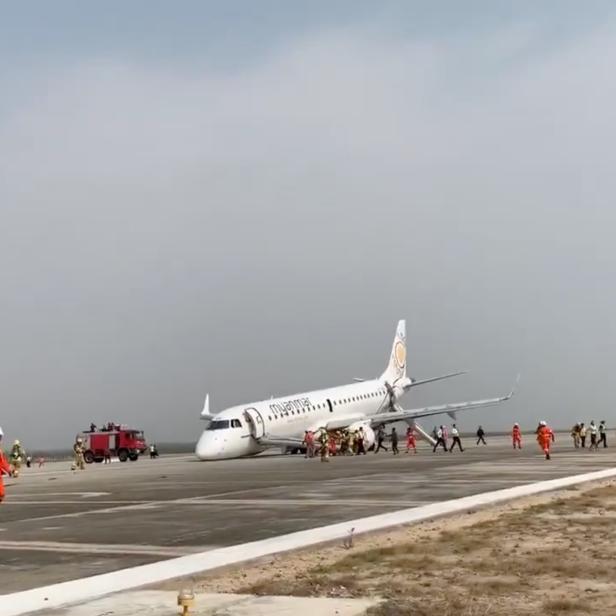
[[123, 455], [133, 456], [88, 457]]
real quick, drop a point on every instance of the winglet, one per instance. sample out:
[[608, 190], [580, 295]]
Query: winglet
[[514, 389]]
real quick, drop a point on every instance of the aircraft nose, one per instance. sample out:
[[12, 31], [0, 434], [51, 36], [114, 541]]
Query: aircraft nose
[[207, 448]]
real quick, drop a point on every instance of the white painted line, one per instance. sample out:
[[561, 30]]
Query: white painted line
[[86, 589], [99, 548]]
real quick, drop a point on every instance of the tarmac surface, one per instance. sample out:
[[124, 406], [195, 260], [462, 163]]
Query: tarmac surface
[[58, 525]]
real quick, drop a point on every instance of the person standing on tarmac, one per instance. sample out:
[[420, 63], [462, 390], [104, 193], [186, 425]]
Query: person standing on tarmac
[[583, 435], [445, 436], [516, 435], [332, 444], [361, 439], [455, 434], [592, 429], [5, 467], [380, 439], [545, 438], [79, 461], [603, 433], [324, 442], [480, 436], [309, 442], [17, 456], [439, 440], [575, 435], [394, 442], [410, 440]]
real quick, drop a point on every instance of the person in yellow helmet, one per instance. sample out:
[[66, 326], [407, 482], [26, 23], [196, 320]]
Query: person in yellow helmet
[[18, 455], [79, 461]]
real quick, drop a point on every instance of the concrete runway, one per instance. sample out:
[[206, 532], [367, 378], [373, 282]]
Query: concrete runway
[[57, 525]]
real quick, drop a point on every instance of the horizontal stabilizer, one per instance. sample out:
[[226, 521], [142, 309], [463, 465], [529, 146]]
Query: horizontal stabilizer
[[436, 378]]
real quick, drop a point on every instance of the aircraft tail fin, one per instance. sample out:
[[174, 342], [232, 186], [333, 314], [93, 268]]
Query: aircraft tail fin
[[396, 368]]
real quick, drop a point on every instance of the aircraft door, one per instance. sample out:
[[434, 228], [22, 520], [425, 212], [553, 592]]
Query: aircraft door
[[329, 405], [255, 422]]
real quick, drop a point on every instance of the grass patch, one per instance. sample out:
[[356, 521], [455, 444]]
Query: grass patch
[[562, 606]]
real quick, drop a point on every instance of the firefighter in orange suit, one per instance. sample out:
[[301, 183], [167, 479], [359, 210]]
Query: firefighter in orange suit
[[5, 468], [516, 434], [545, 438]]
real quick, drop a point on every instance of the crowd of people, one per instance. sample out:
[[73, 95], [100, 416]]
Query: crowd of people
[[349, 442], [345, 442], [598, 435]]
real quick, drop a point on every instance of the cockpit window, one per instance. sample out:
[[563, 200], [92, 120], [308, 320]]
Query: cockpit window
[[218, 424], [235, 423]]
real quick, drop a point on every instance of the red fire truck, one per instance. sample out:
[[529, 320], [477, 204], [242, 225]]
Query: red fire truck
[[121, 441]]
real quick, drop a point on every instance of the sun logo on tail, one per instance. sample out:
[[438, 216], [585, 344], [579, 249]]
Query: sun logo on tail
[[400, 354]]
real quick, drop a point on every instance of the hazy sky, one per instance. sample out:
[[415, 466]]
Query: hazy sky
[[243, 198]]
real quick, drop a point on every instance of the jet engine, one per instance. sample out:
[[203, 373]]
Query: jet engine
[[369, 437]]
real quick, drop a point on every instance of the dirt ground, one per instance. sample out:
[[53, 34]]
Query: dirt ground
[[548, 554]]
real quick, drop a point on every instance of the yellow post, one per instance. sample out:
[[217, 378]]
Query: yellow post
[[186, 600]]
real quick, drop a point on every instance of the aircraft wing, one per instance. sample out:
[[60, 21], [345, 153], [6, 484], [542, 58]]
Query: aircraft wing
[[402, 414]]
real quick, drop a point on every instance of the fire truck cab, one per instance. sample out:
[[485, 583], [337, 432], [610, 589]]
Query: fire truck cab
[[121, 441]]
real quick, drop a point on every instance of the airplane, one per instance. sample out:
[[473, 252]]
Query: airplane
[[250, 429]]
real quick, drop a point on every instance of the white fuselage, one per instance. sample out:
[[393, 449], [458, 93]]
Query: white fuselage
[[234, 432]]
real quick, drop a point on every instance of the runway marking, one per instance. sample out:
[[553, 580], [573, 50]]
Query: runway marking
[[96, 548], [316, 502], [78, 502]]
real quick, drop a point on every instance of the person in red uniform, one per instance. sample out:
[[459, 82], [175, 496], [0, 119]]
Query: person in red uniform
[[545, 438], [332, 445], [516, 434], [410, 440], [5, 467]]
